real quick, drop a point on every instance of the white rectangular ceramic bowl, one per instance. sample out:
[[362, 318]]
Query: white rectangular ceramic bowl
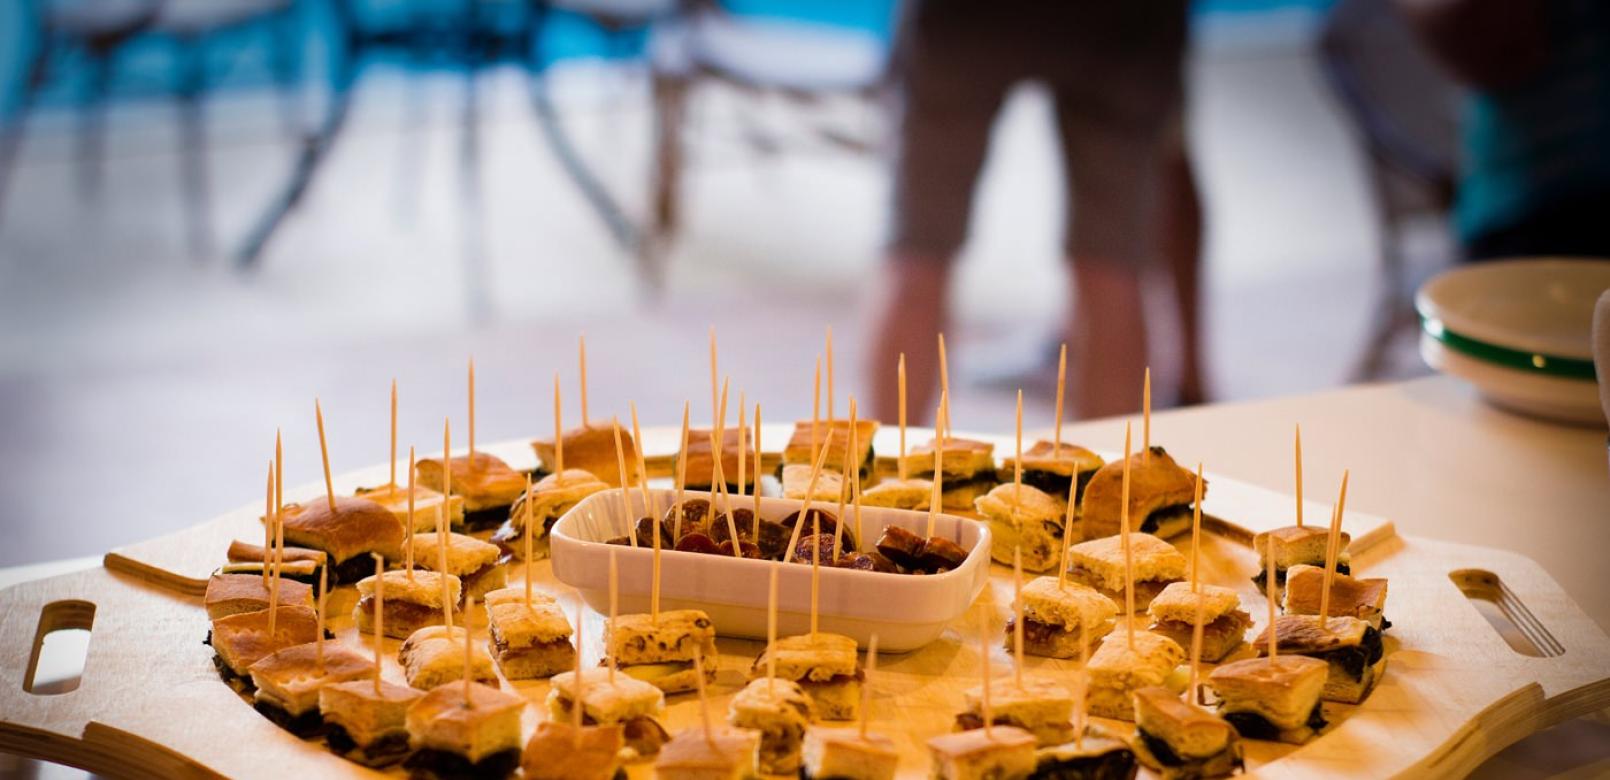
[[905, 611]]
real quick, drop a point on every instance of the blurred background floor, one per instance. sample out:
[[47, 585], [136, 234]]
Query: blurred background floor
[[140, 388]]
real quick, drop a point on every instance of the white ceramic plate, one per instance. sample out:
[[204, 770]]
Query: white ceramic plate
[[1543, 305], [1554, 398], [905, 611]]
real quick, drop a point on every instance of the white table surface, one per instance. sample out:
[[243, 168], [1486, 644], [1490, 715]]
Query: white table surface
[[1430, 456]]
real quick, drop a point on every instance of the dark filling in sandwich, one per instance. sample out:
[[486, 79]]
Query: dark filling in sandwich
[[500, 643], [1254, 726], [981, 481], [308, 724], [352, 569], [1156, 519], [1057, 484], [1112, 765], [471, 581], [482, 519], [1159, 749], [1262, 577], [388, 749], [401, 613], [641, 733], [240, 683], [1035, 632], [865, 471], [1356, 658], [447, 765]]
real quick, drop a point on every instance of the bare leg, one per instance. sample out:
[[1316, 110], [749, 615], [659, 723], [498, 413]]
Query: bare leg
[[912, 311], [1109, 338], [1181, 245]]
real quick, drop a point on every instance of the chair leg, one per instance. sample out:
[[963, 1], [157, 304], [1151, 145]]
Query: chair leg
[[603, 203], [670, 113], [193, 151], [288, 70]]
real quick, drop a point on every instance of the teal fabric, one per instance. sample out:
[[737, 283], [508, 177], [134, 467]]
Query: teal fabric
[[1546, 141]]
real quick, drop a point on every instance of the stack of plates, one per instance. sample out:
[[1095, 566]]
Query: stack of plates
[[1520, 331]]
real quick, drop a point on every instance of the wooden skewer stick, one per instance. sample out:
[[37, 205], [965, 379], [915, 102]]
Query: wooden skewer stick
[[855, 495], [816, 406], [318, 638], [771, 632], [1269, 555], [1017, 607], [578, 710], [866, 684], [268, 523], [743, 443], [719, 485], [324, 454], [441, 523], [649, 504], [1299, 451], [755, 516], [1062, 388], [704, 697], [614, 611], [1146, 418], [380, 614], [1129, 564], [846, 488], [392, 461], [581, 358], [1196, 531], [626, 491], [900, 371], [944, 376], [469, 666], [983, 650], [1196, 648], [1332, 549], [810, 495], [559, 426], [408, 537], [718, 433], [816, 567], [936, 499], [472, 413], [830, 374], [529, 520], [681, 473]]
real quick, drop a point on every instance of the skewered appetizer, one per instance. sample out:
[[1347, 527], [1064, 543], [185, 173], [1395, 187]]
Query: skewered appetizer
[[434, 655], [1000, 753], [720, 753], [662, 653], [1161, 494], [701, 465], [1272, 699], [1099, 563], [796, 479], [233, 594], [1060, 618], [1224, 623], [844, 753], [1041, 707], [1350, 646], [299, 564], [626, 701], [803, 444], [559, 751], [1026, 519], [1062, 472], [824, 665], [528, 642], [465, 731], [1117, 672], [969, 470], [1099, 756], [472, 561], [550, 498], [429, 505], [1295, 546], [411, 602], [1362, 598], [240, 640], [288, 682], [346, 535], [780, 711], [367, 726], [591, 448], [1179, 740], [487, 485], [895, 493]]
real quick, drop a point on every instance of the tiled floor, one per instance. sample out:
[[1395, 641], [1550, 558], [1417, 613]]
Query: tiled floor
[[140, 389]]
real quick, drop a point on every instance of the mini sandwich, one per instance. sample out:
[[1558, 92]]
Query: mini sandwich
[[551, 497], [288, 682], [455, 738], [528, 642], [825, 667], [1001, 753], [1062, 472], [969, 470], [239, 641], [1099, 563], [662, 653], [364, 726], [1178, 740], [796, 479], [1361, 598], [486, 484], [1116, 672], [347, 535], [472, 561], [843, 753], [627, 701], [1029, 520], [558, 751], [895, 493], [1276, 700], [1295, 546], [1160, 496], [435, 655], [232, 594], [803, 444], [780, 711], [1099, 756], [1352, 648], [428, 505], [411, 603], [1224, 623], [1041, 707], [300, 564], [701, 466], [722, 753], [591, 448], [1058, 618]]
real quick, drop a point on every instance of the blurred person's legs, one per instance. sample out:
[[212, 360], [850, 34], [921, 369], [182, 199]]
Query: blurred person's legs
[[1181, 238]]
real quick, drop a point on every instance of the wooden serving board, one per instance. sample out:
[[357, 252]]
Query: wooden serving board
[[183, 560]]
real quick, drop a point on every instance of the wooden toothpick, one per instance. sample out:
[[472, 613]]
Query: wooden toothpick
[[1129, 564], [771, 632], [324, 454], [681, 473], [1146, 418], [810, 496], [936, 498], [1269, 592], [866, 684], [1196, 531], [830, 374], [530, 519], [1332, 550], [472, 412], [1196, 647], [408, 538], [392, 461], [559, 426], [944, 375], [1062, 387], [1017, 607], [846, 489], [1299, 460], [380, 614], [626, 491], [855, 494], [614, 610], [901, 372], [581, 359]]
